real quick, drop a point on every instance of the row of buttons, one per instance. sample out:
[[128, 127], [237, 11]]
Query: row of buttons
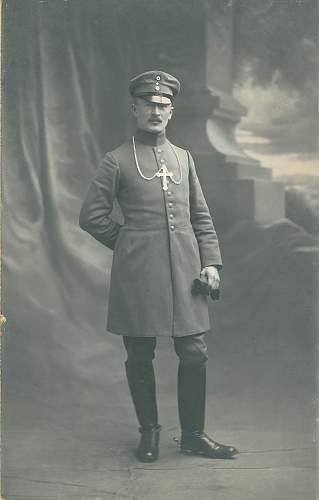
[[170, 205]]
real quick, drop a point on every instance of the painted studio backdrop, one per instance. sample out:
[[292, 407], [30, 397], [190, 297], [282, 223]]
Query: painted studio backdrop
[[248, 78]]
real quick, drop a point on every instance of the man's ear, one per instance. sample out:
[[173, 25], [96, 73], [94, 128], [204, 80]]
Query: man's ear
[[133, 108], [171, 113]]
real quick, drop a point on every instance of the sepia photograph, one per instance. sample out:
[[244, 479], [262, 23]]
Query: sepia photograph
[[159, 249]]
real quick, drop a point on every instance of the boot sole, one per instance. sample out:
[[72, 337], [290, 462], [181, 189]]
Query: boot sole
[[203, 454], [145, 460]]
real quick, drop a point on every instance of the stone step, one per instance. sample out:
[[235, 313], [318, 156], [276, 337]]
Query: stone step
[[230, 167]]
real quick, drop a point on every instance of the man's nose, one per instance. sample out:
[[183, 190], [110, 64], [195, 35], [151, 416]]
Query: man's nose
[[156, 110]]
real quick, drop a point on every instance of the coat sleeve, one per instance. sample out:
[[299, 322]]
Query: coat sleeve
[[97, 206], [202, 222]]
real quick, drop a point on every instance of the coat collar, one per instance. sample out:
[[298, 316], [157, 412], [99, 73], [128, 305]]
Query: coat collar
[[150, 139]]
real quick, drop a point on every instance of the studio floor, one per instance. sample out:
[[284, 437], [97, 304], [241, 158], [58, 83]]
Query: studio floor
[[69, 449]]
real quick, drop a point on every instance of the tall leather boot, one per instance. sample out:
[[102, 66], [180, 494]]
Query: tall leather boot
[[191, 406], [141, 381]]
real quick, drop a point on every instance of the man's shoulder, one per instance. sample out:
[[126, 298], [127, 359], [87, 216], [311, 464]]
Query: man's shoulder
[[122, 148], [178, 148], [120, 151], [181, 152]]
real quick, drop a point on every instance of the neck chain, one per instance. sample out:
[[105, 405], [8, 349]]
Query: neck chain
[[162, 172]]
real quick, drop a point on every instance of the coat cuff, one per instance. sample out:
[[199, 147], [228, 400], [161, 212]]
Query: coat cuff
[[210, 256], [218, 266]]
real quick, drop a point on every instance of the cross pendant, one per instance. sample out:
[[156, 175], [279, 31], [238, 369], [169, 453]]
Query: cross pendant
[[164, 173]]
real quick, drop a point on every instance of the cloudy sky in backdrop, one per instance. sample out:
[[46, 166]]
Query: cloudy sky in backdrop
[[276, 46]]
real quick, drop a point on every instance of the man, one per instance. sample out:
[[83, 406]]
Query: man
[[167, 240]]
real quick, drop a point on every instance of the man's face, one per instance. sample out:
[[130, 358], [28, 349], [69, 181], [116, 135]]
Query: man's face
[[151, 116]]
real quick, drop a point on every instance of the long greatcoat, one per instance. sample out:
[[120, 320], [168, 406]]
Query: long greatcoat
[[166, 239]]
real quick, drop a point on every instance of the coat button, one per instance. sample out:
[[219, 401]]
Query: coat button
[[172, 228], [170, 204], [169, 193], [159, 150], [171, 216], [162, 161]]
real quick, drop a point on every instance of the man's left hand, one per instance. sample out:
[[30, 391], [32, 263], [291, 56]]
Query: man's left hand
[[211, 275]]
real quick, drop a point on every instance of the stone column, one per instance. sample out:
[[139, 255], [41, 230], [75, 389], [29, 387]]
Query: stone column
[[236, 186]]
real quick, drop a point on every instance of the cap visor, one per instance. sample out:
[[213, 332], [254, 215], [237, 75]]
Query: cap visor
[[157, 99]]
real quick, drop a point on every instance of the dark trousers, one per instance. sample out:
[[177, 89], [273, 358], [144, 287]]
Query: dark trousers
[[192, 354], [191, 350]]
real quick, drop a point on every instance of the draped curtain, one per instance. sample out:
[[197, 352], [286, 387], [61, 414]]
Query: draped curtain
[[65, 98]]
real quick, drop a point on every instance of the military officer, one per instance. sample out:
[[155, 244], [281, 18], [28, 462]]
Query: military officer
[[167, 240]]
